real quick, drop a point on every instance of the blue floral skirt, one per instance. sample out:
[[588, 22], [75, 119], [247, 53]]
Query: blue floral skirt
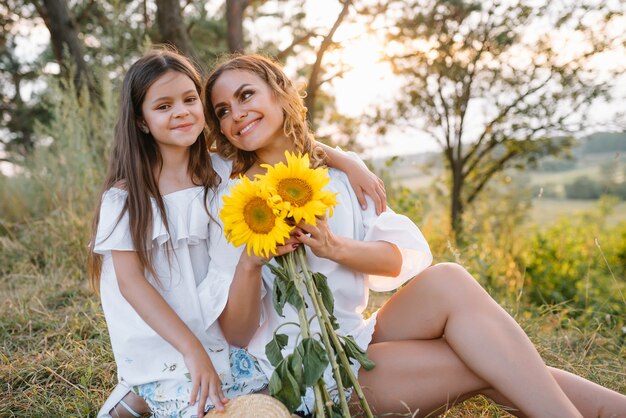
[[170, 398]]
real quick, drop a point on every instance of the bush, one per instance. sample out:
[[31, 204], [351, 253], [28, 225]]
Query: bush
[[583, 187]]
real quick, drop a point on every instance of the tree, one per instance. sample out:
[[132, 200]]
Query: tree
[[315, 76], [64, 38], [493, 82], [17, 110], [172, 27], [234, 20]]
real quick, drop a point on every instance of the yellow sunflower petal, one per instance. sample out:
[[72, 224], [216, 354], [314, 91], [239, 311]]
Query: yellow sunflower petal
[[250, 218], [299, 187]]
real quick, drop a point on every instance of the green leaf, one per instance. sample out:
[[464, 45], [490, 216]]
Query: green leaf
[[276, 383], [279, 272], [315, 360], [293, 296], [333, 322], [274, 347], [278, 296], [353, 350], [336, 412], [345, 378], [327, 295], [284, 387], [297, 368]]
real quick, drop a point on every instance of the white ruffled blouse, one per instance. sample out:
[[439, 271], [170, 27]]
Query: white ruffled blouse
[[142, 355], [350, 289]]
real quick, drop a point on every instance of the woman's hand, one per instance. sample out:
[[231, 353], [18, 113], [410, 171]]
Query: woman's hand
[[256, 261], [205, 382], [320, 238]]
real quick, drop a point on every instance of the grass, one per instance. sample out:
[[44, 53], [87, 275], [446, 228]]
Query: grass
[[56, 357]]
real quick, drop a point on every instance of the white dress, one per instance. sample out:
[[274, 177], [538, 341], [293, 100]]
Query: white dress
[[350, 289], [145, 361]]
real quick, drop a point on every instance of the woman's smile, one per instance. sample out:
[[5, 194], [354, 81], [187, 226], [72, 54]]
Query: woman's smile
[[246, 129]]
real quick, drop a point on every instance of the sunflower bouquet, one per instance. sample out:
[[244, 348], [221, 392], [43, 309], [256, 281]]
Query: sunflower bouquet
[[261, 214]]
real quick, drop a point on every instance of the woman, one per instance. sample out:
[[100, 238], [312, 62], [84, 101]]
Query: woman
[[440, 339]]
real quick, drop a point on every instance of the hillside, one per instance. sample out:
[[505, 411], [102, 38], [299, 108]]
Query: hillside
[[600, 157]]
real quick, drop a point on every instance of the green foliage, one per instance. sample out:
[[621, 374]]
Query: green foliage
[[578, 261]]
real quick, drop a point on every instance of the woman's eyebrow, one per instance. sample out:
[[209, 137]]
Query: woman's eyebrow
[[235, 94]]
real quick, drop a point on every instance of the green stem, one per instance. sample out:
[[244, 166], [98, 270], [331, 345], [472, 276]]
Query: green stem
[[355, 382], [323, 318], [304, 323]]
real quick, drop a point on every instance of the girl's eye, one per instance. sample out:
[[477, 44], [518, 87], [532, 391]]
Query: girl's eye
[[163, 107], [191, 99]]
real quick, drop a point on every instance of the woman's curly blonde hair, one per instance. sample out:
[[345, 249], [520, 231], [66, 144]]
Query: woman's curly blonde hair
[[295, 125]]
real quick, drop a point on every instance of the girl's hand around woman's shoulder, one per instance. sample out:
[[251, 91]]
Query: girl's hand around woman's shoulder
[[364, 182], [206, 383]]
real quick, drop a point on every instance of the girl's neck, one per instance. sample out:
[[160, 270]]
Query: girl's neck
[[174, 174]]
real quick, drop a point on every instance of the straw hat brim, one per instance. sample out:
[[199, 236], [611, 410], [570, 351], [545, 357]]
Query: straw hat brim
[[252, 406]]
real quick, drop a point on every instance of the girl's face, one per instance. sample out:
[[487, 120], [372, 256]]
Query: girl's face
[[250, 115], [172, 111]]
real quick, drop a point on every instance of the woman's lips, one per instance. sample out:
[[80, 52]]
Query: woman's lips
[[248, 127]]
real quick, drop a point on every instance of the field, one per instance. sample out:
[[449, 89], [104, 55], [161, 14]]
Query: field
[[558, 269]]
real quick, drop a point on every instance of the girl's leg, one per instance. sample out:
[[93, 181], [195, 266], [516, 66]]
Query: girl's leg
[[131, 406], [445, 300]]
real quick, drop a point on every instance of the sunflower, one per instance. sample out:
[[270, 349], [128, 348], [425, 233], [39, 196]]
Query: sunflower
[[299, 187], [250, 218]]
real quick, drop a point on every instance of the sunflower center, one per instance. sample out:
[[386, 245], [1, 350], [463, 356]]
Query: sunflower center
[[259, 216], [295, 191]]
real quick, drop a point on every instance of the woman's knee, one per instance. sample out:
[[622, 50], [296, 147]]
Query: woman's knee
[[447, 277]]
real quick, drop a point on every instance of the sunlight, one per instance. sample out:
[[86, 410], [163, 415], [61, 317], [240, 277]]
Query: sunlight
[[367, 78]]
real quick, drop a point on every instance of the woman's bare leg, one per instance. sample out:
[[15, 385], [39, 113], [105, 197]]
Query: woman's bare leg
[[445, 300], [591, 399], [422, 377]]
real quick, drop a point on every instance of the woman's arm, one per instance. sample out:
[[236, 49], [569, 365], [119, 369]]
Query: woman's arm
[[379, 258], [363, 181], [160, 316]]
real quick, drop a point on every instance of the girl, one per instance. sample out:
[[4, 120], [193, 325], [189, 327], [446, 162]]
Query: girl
[[148, 253], [438, 340]]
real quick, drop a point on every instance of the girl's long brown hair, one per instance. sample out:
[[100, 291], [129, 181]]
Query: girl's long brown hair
[[135, 157], [295, 124]]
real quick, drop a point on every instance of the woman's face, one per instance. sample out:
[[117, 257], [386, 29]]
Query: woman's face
[[172, 111], [250, 115]]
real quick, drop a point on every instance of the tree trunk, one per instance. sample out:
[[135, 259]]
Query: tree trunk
[[316, 73], [64, 39], [456, 202], [234, 21], [172, 27]]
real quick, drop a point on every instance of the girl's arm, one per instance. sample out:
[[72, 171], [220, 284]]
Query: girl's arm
[[160, 316], [363, 181], [379, 258], [241, 316]]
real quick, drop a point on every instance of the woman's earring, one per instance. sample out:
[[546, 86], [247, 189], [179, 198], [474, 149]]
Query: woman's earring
[[144, 129]]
